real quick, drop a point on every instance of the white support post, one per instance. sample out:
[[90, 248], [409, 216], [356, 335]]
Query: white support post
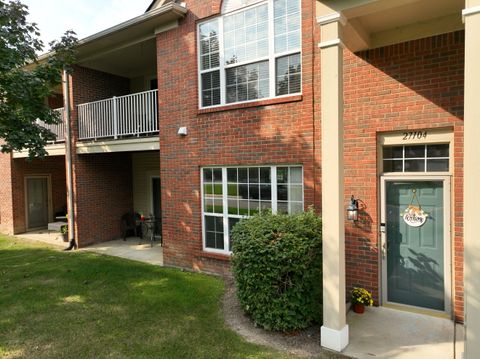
[[334, 332], [472, 179], [115, 118]]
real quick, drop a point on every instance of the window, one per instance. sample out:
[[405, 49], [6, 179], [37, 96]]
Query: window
[[232, 193], [416, 158], [250, 54]]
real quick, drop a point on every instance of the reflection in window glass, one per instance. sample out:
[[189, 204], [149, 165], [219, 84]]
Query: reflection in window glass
[[249, 82], [288, 75], [249, 190], [416, 158]]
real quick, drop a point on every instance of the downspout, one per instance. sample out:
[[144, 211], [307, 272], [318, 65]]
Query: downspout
[[68, 159]]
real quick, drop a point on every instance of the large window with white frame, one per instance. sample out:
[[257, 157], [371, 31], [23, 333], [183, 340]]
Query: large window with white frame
[[250, 53], [232, 193]]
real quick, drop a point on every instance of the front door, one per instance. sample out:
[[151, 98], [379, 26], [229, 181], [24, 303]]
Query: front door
[[415, 232], [37, 202]]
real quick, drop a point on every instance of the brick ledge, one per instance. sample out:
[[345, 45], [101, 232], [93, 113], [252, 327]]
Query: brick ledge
[[221, 257], [273, 101]]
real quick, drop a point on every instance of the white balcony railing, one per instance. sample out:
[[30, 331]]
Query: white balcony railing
[[57, 129], [124, 116]]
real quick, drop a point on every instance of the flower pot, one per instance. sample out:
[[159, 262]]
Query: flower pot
[[65, 237], [358, 308]]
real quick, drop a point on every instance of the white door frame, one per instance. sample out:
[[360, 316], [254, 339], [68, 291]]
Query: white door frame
[[447, 250], [49, 198]]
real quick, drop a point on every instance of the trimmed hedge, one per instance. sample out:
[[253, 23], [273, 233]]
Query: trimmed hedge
[[277, 265]]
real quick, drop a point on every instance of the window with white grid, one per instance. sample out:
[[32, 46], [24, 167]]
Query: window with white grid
[[250, 53], [232, 193]]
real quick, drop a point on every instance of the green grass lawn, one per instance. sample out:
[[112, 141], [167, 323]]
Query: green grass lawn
[[83, 305]]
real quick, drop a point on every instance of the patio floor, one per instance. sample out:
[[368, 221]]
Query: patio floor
[[389, 333], [133, 248], [53, 238]]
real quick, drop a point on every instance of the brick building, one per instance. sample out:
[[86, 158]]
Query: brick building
[[205, 112]]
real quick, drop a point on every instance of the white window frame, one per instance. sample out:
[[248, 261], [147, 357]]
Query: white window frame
[[225, 215], [425, 158], [271, 58]]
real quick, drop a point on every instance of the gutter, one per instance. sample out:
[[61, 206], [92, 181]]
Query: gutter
[[68, 157]]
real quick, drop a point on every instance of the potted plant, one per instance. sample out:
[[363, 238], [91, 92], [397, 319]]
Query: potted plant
[[361, 298], [64, 232]]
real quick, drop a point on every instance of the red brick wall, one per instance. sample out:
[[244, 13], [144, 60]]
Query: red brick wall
[[413, 85], [102, 183], [6, 194], [265, 134], [103, 193], [54, 167]]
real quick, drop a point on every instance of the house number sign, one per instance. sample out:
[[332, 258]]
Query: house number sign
[[414, 216], [414, 135]]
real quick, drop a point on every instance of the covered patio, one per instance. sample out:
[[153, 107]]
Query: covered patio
[[133, 248], [383, 332]]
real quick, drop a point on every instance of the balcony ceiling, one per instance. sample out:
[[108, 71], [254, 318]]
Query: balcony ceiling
[[375, 23], [132, 61]]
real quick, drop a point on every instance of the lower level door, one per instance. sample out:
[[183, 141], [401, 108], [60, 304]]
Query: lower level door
[[415, 242], [156, 197], [37, 202]]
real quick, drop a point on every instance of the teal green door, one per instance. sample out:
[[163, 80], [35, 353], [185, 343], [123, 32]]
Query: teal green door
[[415, 251]]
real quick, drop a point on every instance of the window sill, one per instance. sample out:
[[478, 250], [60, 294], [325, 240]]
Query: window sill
[[218, 256], [237, 106]]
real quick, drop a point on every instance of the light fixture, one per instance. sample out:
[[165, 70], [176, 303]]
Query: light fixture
[[352, 210], [182, 131]]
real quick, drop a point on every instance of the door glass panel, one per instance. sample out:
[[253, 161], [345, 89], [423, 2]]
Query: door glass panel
[[37, 202], [415, 264]]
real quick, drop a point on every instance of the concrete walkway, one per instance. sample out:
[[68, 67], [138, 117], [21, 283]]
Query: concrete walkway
[[133, 248], [394, 334]]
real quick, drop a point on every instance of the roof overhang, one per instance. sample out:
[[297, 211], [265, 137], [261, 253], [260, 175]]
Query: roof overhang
[[130, 32], [377, 23]]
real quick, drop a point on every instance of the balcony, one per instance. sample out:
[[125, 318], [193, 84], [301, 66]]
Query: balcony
[[122, 117], [57, 129]]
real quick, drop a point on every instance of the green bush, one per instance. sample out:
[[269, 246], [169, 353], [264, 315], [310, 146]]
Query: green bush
[[277, 265]]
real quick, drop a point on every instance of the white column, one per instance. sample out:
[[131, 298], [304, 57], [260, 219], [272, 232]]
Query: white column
[[472, 178], [334, 332]]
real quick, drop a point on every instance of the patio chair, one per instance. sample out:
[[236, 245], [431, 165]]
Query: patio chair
[[129, 223]]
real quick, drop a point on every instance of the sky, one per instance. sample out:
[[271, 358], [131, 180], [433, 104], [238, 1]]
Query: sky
[[85, 17]]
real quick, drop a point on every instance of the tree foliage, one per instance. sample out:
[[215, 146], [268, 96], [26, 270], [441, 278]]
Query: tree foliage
[[26, 80]]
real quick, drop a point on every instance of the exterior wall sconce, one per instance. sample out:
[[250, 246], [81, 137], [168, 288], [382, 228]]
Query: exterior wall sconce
[[182, 131], [352, 210]]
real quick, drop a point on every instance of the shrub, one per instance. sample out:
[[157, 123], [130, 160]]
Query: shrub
[[277, 265]]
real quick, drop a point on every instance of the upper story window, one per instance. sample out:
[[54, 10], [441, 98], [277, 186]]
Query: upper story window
[[251, 52]]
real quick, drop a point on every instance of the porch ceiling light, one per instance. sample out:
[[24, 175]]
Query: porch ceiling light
[[352, 210]]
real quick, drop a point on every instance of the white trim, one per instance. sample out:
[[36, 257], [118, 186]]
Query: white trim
[[333, 17], [330, 43], [447, 243], [53, 150], [128, 145], [470, 11], [333, 339]]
